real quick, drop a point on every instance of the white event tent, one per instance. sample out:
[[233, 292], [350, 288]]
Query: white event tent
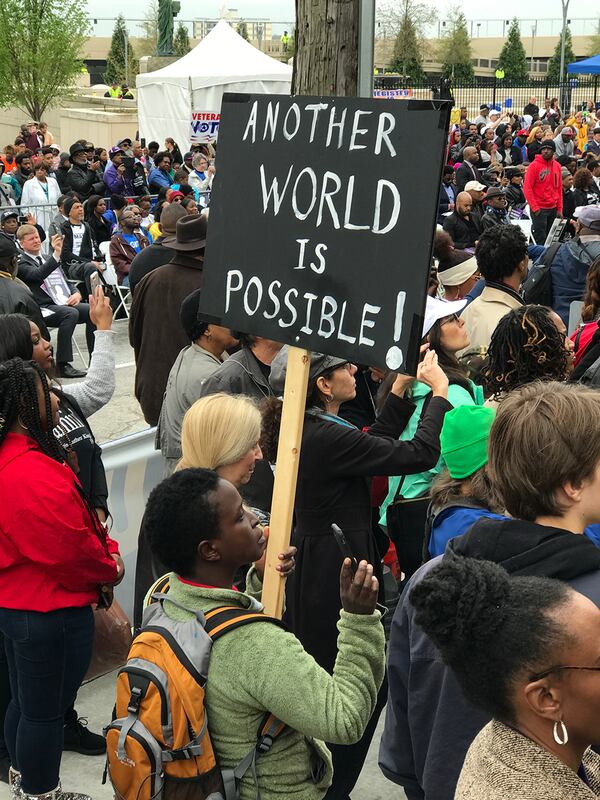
[[222, 62]]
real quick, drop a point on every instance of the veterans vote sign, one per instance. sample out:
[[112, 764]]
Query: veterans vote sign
[[321, 222]]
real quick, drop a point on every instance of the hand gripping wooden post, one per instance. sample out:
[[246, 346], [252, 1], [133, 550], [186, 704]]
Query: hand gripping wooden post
[[286, 476]]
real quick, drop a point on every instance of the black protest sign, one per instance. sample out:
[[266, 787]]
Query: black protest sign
[[321, 222]]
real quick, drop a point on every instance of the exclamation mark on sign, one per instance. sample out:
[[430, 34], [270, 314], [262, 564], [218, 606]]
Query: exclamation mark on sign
[[394, 357]]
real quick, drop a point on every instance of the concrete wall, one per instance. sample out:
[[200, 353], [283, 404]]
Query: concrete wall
[[100, 121]]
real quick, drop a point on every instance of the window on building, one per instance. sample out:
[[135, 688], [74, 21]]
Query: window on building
[[494, 63], [484, 62], [475, 62]]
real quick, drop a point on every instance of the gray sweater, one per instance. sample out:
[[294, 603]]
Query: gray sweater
[[99, 385], [191, 368]]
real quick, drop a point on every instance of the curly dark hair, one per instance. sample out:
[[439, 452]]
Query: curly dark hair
[[180, 514], [490, 628], [583, 179], [591, 298], [526, 346], [499, 251]]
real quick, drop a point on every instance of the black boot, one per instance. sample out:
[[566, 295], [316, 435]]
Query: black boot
[[79, 739]]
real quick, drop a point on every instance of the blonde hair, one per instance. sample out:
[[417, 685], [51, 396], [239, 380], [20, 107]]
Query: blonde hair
[[218, 430]]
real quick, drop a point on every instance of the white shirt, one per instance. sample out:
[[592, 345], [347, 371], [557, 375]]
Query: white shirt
[[78, 232]]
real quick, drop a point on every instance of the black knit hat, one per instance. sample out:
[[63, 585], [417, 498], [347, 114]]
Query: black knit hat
[[548, 143]]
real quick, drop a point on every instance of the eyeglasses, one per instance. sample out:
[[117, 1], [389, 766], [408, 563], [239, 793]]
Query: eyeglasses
[[451, 318], [546, 672]]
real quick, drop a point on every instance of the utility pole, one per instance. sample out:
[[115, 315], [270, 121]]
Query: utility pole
[[366, 47], [126, 42], [565, 11]]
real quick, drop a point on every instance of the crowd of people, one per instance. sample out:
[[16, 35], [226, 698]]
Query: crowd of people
[[475, 484]]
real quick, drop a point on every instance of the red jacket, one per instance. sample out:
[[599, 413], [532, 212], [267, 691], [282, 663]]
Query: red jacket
[[543, 184], [51, 556]]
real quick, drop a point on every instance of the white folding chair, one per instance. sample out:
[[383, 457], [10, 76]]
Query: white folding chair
[[110, 278]]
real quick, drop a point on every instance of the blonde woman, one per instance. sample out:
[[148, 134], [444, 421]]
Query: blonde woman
[[219, 432]]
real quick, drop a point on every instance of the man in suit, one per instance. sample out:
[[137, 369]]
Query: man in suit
[[467, 170], [15, 296], [448, 193], [65, 306]]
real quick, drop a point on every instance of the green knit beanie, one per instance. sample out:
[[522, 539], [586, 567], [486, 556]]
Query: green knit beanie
[[464, 439]]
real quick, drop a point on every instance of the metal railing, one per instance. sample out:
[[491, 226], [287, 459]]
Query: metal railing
[[572, 93], [44, 213]]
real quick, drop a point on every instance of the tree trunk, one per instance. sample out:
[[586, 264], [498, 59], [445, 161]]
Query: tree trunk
[[326, 61]]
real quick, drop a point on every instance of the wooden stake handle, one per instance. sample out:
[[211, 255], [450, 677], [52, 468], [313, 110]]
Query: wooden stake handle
[[286, 476]]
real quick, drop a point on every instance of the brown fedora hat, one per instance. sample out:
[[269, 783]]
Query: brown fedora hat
[[168, 222], [191, 233]]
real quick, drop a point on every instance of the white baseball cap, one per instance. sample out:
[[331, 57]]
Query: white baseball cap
[[438, 309]]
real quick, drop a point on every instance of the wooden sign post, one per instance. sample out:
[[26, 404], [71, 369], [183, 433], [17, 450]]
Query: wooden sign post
[[286, 476], [322, 217]]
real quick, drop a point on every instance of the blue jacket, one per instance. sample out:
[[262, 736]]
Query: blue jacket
[[158, 178], [452, 522], [569, 270], [429, 724]]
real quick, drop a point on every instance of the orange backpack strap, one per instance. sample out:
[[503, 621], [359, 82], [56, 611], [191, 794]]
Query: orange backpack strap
[[227, 618]]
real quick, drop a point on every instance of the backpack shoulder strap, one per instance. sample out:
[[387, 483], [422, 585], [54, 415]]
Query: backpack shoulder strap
[[548, 256], [223, 619]]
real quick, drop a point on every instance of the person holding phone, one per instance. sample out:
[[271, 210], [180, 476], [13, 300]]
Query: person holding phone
[[57, 559], [199, 529], [337, 461]]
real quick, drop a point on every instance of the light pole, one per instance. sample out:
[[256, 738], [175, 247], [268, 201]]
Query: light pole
[[126, 41], [533, 32], [565, 10]]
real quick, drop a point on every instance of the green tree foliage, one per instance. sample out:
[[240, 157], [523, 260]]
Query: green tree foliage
[[513, 59], [408, 47], [594, 45], [242, 29], [118, 67], [41, 42], [181, 40], [146, 45], [455, 51], [554, 63]]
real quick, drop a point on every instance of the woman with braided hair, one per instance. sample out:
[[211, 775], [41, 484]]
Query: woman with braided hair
[[56, 560], [527, 651], [530, 343]]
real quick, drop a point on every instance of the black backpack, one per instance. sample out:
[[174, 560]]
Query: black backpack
[[537, 286]]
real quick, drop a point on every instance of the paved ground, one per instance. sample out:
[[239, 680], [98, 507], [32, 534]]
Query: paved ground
[[95, 701]]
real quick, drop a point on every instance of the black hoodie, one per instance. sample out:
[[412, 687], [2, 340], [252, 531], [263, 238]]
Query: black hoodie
[[429, 724]]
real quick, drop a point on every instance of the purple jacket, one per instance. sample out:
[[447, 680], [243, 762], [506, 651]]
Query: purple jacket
[[114, 181]]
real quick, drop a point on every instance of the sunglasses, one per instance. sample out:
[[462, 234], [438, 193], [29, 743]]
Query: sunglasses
[[546, 672], [451, 318]]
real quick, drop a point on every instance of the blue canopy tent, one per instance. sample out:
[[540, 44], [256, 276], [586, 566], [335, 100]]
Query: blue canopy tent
[[590, 66]]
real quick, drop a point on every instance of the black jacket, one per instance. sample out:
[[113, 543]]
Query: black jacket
[[464, 232], [465, 173], [100, 229], [336, 464], [515, 197], [61, 176], [84, 182], [87, 251], [17, 298], [33, 274], [429, 725], [75, 435], [155, 330], [147, 260], [443, 201]]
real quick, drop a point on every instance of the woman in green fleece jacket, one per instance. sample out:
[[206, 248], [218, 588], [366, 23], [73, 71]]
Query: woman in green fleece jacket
[[198, 526]]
